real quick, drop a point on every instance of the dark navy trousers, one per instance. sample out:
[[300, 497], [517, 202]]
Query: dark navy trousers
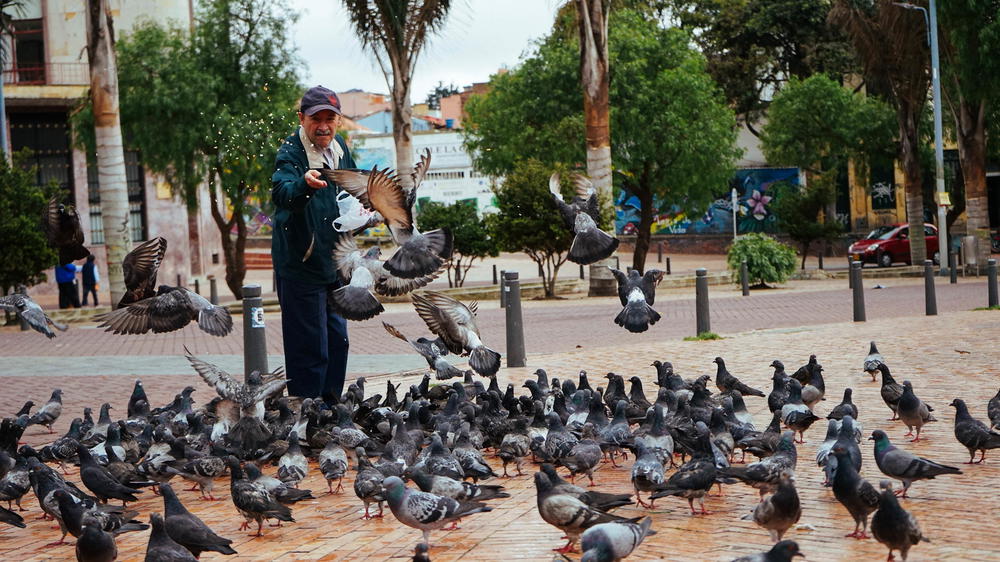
[[315, 341]]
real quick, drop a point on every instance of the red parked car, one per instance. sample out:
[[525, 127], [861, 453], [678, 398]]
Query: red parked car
[[887, 245]]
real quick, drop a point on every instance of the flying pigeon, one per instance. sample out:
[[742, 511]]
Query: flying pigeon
[[903, 466], [581, 216], [637, 293], [913, 411], [872, 361], [140, 267], [29, 311], [893, 526], [62, 228], [455, 324], [972, 433], [171, 309], [249, 395], [419, 254], [433, 351], [425, 511], [615, 540]]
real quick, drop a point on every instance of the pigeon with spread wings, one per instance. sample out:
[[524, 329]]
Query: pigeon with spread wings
[[29, 311], [171, 309], [637, 294], [433, 351], [455, 324], [62, 228], [140, 267], [419, 254], [581, 215], [365, 273]]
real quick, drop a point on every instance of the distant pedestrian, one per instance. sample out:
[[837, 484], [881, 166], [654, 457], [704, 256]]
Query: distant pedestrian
[[69, 296], [90, 277]]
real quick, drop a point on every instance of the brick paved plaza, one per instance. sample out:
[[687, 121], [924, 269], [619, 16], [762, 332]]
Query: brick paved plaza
[[951, 355]]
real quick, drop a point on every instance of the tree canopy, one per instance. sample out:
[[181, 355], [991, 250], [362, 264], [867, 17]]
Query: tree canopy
[[22, 203], [473, 239]]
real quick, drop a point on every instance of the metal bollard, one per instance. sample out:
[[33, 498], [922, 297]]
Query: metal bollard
[[213, 291], [254, 334], [659, 252], [859, 292], [953, 267], [494, 274], [850, 272], [197, 287], [515, 323], [930, 299], [668, 265], [745, 278], [991, 282], [618, 264], [702, 319], [581, 272], [503, 294], [179, 280]]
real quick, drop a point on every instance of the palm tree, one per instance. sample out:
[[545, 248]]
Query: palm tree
[[892, 45], [108, 137], [395, 31]]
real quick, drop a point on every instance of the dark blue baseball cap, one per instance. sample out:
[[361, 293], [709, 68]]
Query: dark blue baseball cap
[[319, 98]]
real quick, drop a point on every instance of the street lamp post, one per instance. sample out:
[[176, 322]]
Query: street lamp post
[[930, 18]]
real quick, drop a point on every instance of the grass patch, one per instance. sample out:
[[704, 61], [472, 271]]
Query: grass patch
[[704, 336], [987, 308]]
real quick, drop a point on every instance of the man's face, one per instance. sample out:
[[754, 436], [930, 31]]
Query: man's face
[[320, 126]]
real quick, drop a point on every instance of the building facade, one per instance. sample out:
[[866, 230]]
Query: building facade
[[44, 79]]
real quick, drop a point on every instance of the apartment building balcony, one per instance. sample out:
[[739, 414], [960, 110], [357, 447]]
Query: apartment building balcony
[[55, 83]]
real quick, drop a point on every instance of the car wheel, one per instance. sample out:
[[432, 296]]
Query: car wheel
[[936, 258], [884, 259]]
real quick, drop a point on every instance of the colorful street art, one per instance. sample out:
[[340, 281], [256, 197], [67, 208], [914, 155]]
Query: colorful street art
[[756, 189]]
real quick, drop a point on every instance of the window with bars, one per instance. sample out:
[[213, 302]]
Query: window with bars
[[136, 180], [47, 136]]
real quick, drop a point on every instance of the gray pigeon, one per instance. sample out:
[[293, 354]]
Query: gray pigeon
[[637, 294], [252, 501], [784, 551], [845, 408], [516, 445], [891, 390], [368, 484], [973, 433], [903, 466], [567, 513], [853, 492], [779, 511], [333, 464], [171, 309], [161, 547], [293, 466], [455, 324], [726, 381], [993, 410], [187, 529], [433, 351], [585, 455], [29, 311], [765, 474], [893, 526], [50, 412], [426, 511], [913, 411], [456, 489], [95, 545], [872, 361], [590, 243], [610, 542], [140, 267], [647, 474]]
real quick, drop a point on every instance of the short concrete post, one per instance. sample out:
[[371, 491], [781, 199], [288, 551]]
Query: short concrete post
[[197, 287], [953, 267], [581, 271], [858, 292], [659, 252], [668, 265], [850, 272], [494, 274], [515, 323], [254, 334], [703, 320], [745, 278], [991, 282], [213, 290], [930, 299]]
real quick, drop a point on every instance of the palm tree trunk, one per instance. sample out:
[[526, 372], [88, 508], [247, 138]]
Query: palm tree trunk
[[402, 122], [108, 136], [644, 232], [971, 128], [913, 180]]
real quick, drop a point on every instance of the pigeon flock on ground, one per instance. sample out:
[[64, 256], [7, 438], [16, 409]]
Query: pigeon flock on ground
[[429, 455]]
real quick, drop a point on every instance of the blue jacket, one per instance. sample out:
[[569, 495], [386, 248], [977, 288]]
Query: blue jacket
[[66, 273], [302, 215]]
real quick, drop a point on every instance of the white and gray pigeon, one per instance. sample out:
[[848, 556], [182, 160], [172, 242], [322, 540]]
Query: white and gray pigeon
[[568, 513], [433, 351], [50, 412], [29, 311], [779, 511], [455, 324], [425, 511], [293, 466], [171, 309], [333, 464], [637, 294], [904, 466], [872, 361], [610, 542], [581, 216], [913, 411]]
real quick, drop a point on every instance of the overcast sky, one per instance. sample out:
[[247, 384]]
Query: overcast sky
[[480, 36]]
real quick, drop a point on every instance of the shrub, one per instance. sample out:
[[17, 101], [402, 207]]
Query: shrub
[[768, 261]]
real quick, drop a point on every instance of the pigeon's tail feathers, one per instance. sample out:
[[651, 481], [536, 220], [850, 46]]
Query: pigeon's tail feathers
[[441, 242], [281, 513], [637, 316], [70, 254], [591, 246], [58, 326], [444, 370], [355, 303], [484, 361], [130, 527], [468, 508], [215, 320]]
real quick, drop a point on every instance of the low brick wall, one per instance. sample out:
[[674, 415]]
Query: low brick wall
[[717, 243]]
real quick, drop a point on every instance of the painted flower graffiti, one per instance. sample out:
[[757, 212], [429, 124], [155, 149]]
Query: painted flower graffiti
[[758, 204]]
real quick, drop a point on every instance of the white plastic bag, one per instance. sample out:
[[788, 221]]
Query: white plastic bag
[[353, 215]]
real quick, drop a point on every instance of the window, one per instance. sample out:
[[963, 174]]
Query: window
[[47, 136], [135, 178]]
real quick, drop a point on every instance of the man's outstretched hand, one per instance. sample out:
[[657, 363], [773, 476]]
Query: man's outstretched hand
[[314, 179]]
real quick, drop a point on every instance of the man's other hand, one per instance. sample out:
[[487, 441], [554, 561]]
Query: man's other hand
[[314, 179]]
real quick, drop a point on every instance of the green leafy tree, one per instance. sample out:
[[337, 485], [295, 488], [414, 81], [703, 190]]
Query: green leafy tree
[[676, 139], [433, 99], [472, 238], [768, 261], [818, 125], [22, 203], [528, 221]]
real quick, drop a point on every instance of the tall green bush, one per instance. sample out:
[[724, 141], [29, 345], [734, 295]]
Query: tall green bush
[[768, 261], [472, 237]]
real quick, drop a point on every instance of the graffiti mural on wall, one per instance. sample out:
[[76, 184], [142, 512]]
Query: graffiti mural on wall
[[756, 189]]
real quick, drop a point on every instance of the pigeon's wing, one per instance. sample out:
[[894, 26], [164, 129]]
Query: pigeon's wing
[[430, 508], [386, 196], [142, 263], [419, 171], [584, 187], [623, 284], [567, 212], [457, 311], [351, 180], [212, 319], [439, 322], [650, 280], [267, 390], [163, 313], [347, 256], [50, 220], [391, 286], [223, 383]]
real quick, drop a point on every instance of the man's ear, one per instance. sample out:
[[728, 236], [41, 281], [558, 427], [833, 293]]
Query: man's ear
[[302, 117]]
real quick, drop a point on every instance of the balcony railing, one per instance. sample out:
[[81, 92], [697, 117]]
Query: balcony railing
[[55, 73]]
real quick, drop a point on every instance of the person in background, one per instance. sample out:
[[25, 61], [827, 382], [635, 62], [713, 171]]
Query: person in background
[[69, 297], [90, 277]]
